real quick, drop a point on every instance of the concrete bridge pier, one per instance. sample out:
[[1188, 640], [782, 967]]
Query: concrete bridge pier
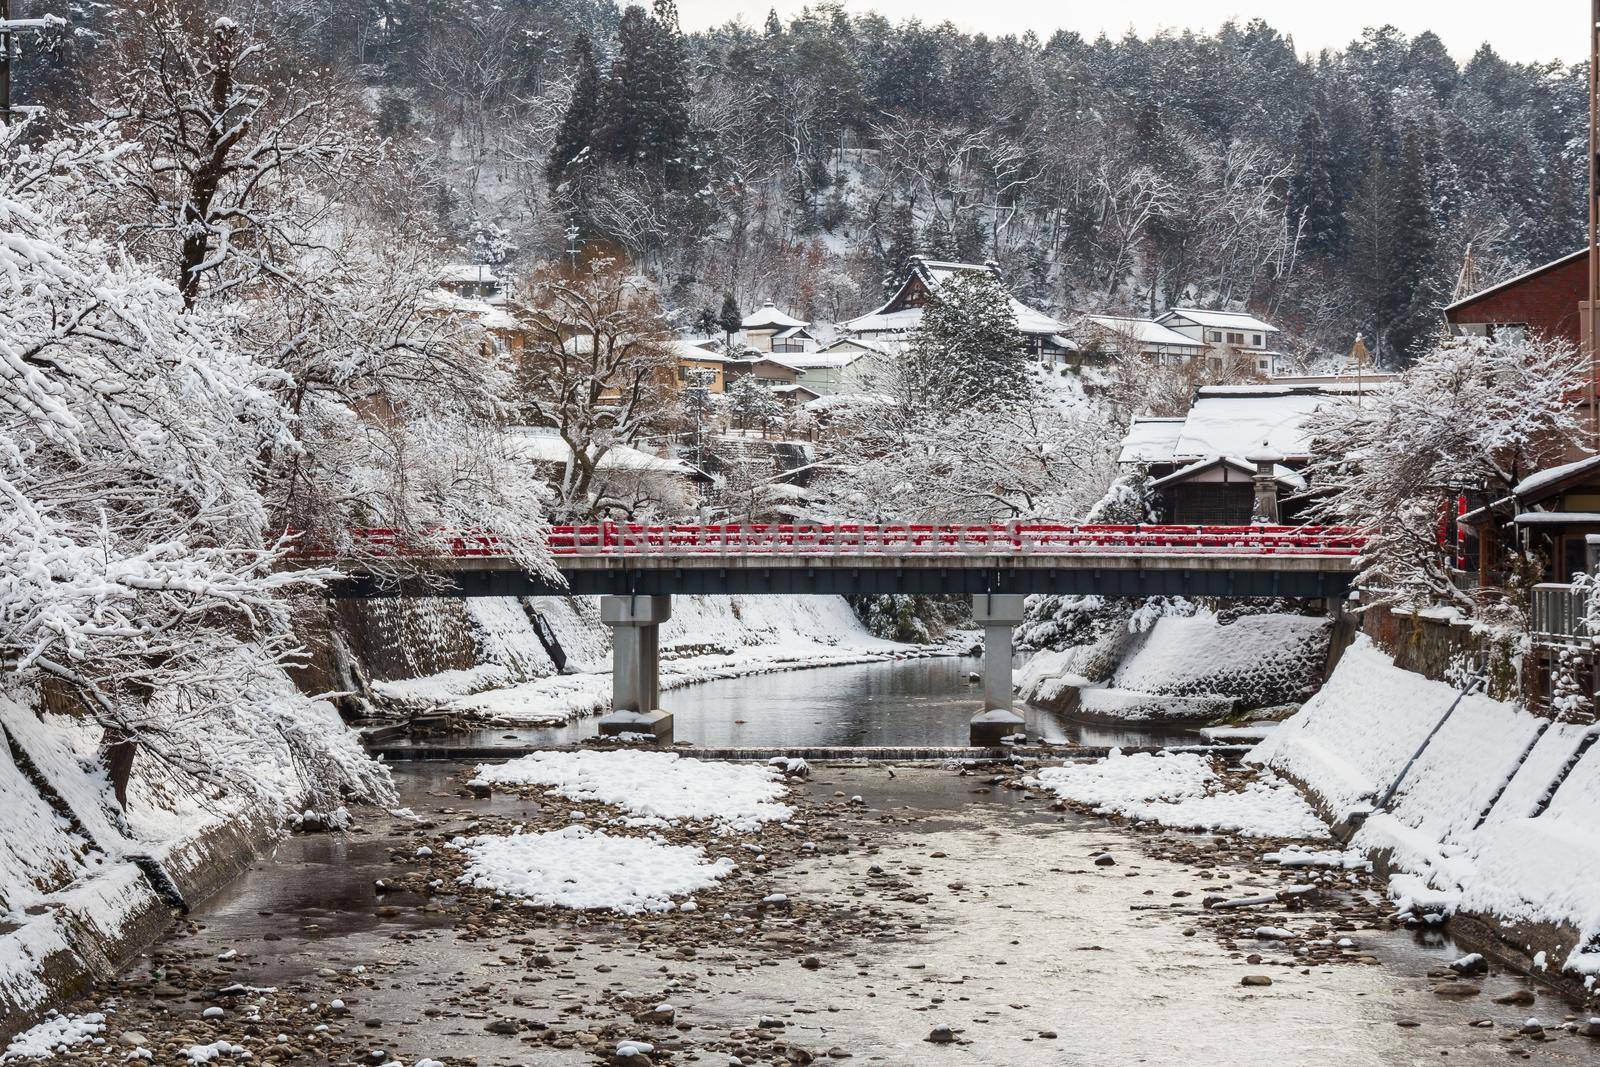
[[635, 623], [998, 614]]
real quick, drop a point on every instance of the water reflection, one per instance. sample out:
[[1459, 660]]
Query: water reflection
[[921, 702]]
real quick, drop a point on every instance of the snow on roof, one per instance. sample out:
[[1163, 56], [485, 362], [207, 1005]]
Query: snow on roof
[[768, 316], [851, 400], [1146, 332], [1150, 440], [1557, 518], [795, 390], [936, 272], [821, 360], [541, 447], [1535, 483], [903, 321], [793, 331], [489, 316], [459, 273], [1232, 320], [1524, 276], [879, 345], [1279, 473], [684, 349], [1240, 421]]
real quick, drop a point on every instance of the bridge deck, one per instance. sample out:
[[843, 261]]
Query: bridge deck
[[1250, 561]]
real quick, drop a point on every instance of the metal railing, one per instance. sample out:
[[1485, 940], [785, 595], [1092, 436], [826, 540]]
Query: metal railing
[[1561, 614], [864, 539]]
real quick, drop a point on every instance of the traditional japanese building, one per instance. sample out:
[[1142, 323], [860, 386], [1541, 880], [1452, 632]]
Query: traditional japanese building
[[1046, 338]]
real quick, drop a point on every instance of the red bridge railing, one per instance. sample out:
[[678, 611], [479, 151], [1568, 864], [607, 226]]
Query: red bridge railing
[[857, 539]]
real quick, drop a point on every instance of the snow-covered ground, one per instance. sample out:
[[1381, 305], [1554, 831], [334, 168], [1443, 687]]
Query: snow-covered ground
[[654, 785], [1184, 791], [705, 639], [1465, 830], [1185, 668], [589, 869], [55, 1033]]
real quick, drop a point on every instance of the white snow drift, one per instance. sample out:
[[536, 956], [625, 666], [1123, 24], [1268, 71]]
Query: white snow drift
[[1182, 790], [576, 867], [660, 785]]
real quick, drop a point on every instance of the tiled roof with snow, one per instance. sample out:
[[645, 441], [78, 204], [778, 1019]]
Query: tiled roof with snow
[[821, 360], [461, 273], [1150, 440], [1143, 331], [936, 273], [1532, 485], [767, 316], [1238, 421], [1221, 320]]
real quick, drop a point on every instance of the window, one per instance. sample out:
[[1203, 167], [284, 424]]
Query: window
[[1236, 338], [1216, 335], [1255, 339], [1213, 503], [1509, 331]]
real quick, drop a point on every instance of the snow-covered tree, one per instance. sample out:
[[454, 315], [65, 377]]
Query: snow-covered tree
[[967, 351], [596, 368], [752, 406], [142, 570], [1472, 415]]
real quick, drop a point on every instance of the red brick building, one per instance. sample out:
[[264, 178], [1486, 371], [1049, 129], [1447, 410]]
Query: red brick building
[[1545, 300]]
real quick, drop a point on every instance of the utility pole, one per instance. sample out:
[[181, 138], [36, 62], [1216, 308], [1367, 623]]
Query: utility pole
[[1589, 337]]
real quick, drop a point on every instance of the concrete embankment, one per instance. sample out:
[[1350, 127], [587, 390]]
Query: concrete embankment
[[86, 884], [1183, 669], [1490, 814]]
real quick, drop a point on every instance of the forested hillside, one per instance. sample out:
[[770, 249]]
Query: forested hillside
[[803, 161]]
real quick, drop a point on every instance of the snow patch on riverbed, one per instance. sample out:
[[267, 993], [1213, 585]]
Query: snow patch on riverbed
[[1184, 791], [589, 869], [54, 1033], [660, 785]]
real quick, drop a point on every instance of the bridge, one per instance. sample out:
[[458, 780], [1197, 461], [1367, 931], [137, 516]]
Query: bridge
[[636, 568]]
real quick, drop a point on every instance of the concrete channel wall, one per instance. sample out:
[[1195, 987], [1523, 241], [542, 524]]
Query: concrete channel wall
[[84, 885], [1491, 811]]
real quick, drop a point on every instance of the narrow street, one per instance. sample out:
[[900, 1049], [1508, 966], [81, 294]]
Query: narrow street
[[854, 931]]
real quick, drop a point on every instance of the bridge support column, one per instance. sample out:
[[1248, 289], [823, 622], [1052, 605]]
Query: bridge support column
[[635, 623], [997, 613]]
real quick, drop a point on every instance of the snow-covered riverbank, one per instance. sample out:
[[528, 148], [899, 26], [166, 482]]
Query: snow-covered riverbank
[[1494, 821], [707, 638]]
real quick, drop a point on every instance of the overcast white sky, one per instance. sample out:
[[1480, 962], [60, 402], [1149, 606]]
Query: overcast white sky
[[1520, 30]]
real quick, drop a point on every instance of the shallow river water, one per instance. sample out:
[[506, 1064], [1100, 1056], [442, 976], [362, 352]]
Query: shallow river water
[[1036, 942], [911, 703]]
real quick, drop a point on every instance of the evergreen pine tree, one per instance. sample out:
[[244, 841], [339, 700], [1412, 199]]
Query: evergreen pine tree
[[1413, 299], [645, 100], [1312, 199], [574, 138], [897, 243], [967, 351], [730, 319]]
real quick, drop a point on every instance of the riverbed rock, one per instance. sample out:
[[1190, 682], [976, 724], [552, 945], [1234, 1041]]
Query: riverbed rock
[[1456, 989], [1516, 996], [1255, 980], [941, 1035], [1104, 859]]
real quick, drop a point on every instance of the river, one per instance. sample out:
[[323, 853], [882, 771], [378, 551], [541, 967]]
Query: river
[[912, 703]]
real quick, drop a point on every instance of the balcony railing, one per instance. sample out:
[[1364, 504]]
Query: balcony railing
[[1561, 614]]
